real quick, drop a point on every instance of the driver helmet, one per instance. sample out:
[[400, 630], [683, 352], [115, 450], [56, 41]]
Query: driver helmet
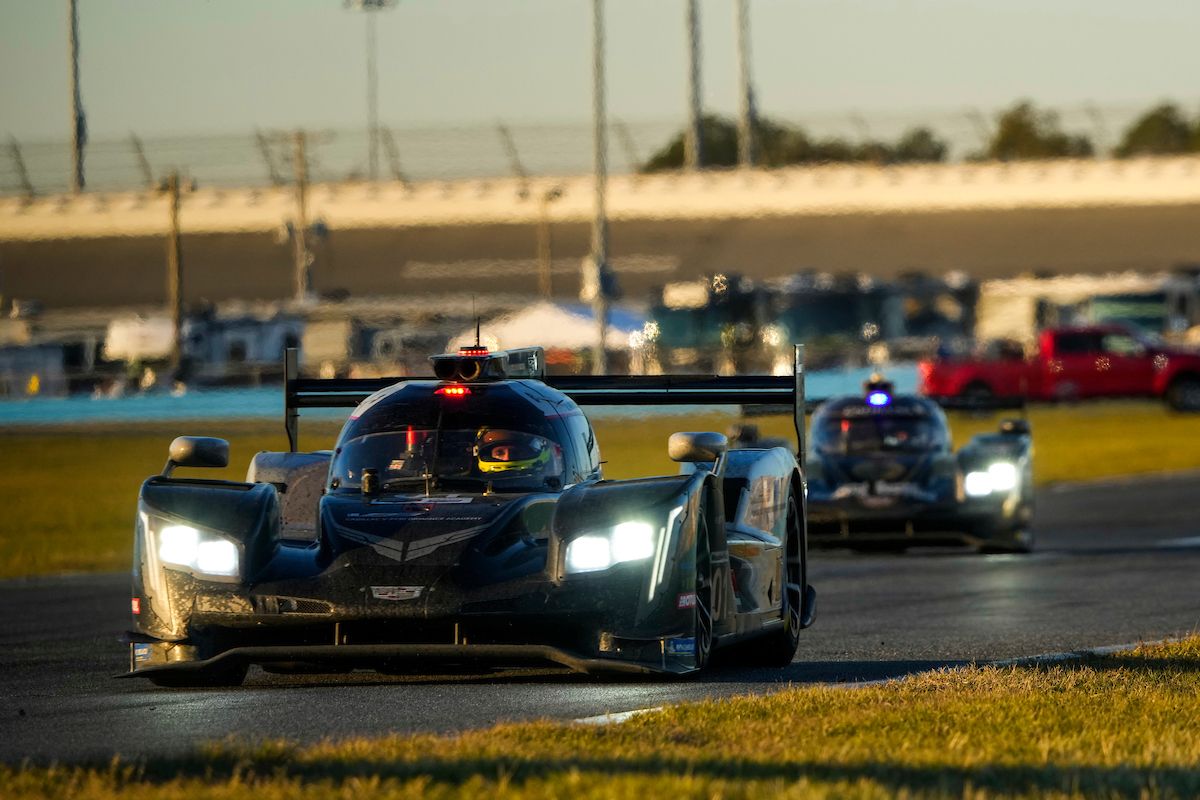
[[510, 451]]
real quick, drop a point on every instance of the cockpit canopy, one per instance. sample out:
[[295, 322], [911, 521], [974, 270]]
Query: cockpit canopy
[[854, 426], [468, 459], [502, 436]]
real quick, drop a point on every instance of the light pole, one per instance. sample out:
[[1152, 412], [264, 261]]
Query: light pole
[[79, 122], [598, 265], [747, 146], [545, 244], [693, 141], [372, 6]]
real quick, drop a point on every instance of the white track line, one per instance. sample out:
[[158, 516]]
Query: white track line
[[616, 718], [1076, 655]]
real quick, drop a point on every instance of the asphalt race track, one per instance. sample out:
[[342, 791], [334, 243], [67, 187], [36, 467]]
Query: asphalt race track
[[1116, 562]]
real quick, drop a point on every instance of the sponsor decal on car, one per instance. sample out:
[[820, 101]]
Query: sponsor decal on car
[[684, 646], [396, 592], [135, 605], [431, 500], [142, 653], [686, 600]]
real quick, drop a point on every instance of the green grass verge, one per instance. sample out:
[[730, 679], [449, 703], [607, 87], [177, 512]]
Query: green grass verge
[[1119, 726], [69, 492]]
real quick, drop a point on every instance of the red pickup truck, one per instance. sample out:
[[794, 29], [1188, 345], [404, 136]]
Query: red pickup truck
[[1069, 364]]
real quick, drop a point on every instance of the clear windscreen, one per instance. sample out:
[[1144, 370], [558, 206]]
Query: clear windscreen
[[467, 460], [868, 434]]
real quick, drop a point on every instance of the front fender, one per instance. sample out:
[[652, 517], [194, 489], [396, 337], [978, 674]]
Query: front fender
[[247, 514], [657, 593]]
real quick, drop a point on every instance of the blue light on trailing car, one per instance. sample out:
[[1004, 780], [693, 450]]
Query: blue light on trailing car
[[878, 399]]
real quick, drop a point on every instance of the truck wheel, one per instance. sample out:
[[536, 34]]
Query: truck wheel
[[978, 393], [1184, 394]]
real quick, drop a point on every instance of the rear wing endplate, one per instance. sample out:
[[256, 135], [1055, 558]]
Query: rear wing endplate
[[595, 390]]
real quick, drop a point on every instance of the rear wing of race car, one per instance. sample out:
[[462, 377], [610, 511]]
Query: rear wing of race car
[[595, 390]]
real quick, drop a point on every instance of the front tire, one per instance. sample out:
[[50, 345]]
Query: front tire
[[703, 625], [1019, 542], [778, 648], [224, 675]]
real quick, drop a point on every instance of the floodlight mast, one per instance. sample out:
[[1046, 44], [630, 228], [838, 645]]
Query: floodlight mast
[[372, 6], [598, 265], [78, 120]]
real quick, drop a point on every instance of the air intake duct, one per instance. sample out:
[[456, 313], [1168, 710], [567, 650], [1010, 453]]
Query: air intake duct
[[477, 364]]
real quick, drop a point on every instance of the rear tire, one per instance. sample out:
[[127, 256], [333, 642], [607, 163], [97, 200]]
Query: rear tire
[[978, 393], [1184, 394]]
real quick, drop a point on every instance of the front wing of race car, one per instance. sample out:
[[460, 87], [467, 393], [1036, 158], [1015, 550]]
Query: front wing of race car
[[900, 521], [988, 503]]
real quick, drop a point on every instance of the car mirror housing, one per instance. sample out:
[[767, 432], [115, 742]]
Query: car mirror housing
[[696, 446], [197, 451], [1015, 427]]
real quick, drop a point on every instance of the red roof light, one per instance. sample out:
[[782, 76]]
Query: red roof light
[[452, 391], [472, 351]]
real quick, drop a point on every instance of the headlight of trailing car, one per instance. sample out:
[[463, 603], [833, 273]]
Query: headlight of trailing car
[[997, 478], [624, 542], [200, 551]]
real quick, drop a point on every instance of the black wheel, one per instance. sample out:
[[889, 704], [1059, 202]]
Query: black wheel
[[978, 392], [778, 648], [703, 630], [877, 548], [223, 675], [1184, 394], [1020, 542]]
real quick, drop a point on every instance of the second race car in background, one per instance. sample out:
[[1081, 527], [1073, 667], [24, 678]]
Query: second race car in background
[[882, 474]]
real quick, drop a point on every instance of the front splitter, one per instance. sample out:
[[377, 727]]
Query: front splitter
[[367, 654]]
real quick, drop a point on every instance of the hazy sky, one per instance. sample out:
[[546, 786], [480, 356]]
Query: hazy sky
[[176, 66]]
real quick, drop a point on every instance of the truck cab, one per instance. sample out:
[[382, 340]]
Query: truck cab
[[1070, 364]]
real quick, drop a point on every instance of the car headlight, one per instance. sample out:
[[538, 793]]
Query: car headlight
[[627, 541], [200, 551], [999, 477], [1004, 476]]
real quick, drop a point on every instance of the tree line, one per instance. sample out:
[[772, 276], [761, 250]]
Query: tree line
[[1022, 132]]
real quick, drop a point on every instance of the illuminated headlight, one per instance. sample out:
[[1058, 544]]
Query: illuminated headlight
[[204, 552], [999, 477], [627, 541], [588, 554], [632, 541], [1004, 476], [977, 484]]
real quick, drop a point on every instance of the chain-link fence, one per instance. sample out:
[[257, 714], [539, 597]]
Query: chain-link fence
[[472, 151]]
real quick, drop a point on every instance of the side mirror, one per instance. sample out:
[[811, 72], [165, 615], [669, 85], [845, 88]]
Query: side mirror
[[1015, 427], [197, 451], [696, 446]]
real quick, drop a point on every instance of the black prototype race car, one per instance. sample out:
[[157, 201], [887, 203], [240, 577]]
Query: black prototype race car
[[882, 475], [464, 519]]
